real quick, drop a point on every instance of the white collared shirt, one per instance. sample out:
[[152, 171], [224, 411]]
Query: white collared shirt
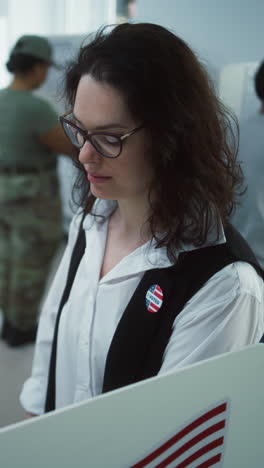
[[225, 315]]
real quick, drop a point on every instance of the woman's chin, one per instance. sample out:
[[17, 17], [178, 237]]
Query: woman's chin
[[100, 193]]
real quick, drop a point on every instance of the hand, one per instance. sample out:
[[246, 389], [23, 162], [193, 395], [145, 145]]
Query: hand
[[30, 415]]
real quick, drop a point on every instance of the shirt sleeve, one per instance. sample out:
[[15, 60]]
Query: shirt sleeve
[[33, 394], [227, 314], [45, 117]]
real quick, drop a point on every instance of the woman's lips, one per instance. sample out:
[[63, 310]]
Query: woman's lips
[[96, 178]]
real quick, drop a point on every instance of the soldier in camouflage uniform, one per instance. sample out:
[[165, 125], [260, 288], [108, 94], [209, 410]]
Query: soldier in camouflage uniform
[[30, 206], [30, 230]]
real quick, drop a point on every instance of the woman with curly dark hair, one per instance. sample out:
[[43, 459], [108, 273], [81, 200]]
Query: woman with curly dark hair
[[157, 278]]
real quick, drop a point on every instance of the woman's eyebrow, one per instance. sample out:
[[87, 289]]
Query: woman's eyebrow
[[103, 127]]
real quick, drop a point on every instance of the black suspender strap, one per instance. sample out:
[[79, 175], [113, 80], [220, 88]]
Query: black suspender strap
[[74, 263], [138, 345]]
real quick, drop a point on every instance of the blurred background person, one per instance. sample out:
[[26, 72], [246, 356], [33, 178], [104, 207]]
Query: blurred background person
[[131, 9], [249, 216], [126, 11], [30, 205]]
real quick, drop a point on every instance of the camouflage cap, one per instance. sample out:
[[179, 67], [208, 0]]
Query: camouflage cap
[[36, 46]]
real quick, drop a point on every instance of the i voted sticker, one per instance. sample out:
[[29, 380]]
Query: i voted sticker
[[154, 298]]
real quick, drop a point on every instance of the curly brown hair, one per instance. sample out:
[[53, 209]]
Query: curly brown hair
[[194, 138]]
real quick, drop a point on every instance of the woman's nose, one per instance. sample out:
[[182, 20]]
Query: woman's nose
[[88, 153]]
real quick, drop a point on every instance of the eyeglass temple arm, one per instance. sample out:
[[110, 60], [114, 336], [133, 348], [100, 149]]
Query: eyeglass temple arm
[[123, 137]]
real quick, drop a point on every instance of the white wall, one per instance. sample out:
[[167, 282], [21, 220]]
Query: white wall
[[222, 32]]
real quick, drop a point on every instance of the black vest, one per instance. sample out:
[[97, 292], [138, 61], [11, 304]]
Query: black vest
[[140, 339]]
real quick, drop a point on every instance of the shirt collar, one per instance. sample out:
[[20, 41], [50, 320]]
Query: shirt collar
[[147, 256]]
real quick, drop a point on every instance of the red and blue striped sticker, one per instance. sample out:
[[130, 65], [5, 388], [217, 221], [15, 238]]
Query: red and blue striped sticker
[[154, 298]]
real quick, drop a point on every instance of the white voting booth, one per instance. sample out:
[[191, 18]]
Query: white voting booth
[[208, 414], [236, 88]]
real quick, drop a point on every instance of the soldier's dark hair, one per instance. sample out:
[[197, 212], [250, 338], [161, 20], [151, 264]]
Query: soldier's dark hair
[[22, 63], [193, 136]]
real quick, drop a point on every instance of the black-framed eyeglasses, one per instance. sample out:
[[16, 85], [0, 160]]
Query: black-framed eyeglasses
[[108, 144]]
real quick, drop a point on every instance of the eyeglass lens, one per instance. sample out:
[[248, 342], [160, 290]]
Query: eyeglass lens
[[108, 145]]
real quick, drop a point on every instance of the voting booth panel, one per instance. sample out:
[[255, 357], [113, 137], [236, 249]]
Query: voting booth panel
[[208, 414], [237, 90]]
